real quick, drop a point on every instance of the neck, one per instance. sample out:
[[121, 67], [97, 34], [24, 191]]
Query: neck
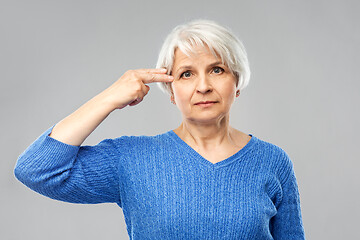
[[205, 136]]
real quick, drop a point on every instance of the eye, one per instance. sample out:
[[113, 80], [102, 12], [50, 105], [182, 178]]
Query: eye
[[218, 70], [186, 74]]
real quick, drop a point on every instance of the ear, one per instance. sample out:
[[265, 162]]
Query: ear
[[172, 99]]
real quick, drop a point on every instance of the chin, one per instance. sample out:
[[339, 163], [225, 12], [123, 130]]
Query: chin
[[206, 118]]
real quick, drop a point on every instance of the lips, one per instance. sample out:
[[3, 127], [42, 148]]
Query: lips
[[205, 102]]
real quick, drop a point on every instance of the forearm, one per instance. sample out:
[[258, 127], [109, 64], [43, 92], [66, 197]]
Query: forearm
[[76, 127], [129, 89]]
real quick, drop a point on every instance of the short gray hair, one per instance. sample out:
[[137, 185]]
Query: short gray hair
[[220, 40]]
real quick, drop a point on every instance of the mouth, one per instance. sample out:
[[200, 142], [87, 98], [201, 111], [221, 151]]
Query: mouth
[[205, 103]]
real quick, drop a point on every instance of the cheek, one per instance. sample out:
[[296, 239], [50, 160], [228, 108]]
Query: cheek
[[227, 89], [181, 92], [229, 95], [232, 91], [229, 98]]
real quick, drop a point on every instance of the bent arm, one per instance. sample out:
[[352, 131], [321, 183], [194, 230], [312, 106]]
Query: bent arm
[[56, 166]]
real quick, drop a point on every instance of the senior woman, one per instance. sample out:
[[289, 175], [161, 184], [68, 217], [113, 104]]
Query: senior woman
[[202, 180]]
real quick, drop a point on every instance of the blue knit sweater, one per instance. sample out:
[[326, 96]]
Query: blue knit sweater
[[167, 190]]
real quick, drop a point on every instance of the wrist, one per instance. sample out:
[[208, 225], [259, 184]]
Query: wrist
[[106, 102]]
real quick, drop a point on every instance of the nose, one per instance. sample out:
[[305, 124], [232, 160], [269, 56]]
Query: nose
[[203, 85]]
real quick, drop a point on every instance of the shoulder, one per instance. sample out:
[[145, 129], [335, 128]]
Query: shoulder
[[278, 159], [270, 149]]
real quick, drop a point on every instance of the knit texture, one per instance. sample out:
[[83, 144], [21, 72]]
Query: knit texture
[[169, 191]]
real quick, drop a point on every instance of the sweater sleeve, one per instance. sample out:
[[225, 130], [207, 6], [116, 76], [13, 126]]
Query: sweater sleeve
[[287, 223], [76, 174]]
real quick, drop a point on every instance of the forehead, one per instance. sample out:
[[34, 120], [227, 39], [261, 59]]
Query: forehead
[[196, 55]]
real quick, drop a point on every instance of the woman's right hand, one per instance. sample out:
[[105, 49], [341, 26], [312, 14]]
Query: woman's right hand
[[131, 88]]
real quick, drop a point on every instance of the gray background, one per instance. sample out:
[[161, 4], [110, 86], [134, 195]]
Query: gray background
[[303, 96]]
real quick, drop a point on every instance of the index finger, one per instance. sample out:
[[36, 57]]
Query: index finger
[[156, 77], [153, 70]]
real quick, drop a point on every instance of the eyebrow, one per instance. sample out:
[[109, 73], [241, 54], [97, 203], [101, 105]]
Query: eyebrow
[[189, 66]]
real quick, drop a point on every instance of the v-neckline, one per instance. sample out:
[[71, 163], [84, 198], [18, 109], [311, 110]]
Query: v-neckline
[[206, 162]]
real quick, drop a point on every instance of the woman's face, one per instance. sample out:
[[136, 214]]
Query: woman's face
[[203, 88]]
